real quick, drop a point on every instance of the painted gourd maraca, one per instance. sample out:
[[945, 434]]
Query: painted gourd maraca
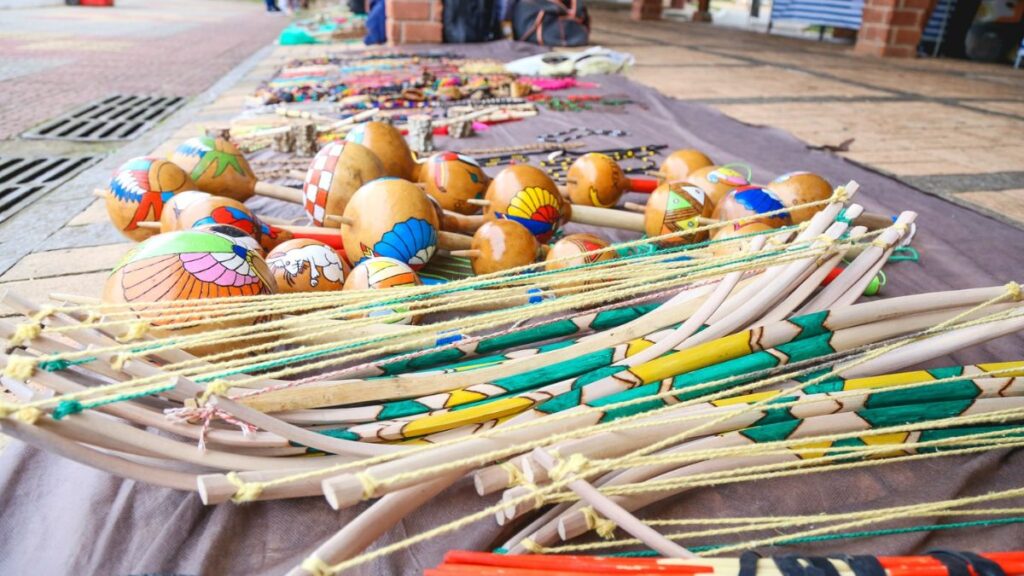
[[502, 245], [595, 179], [721, 248], [451, 179], [177, 204], [676, 206], [382, 273], [304, 265], [216, 166], [235, 234], [390, 217], [138, 191], [389, 145], [219, 210], [334, 175], [575, 250], [717, 181], [681, 163], [527, 195], [797, 188], [188, 265], [747, 203]]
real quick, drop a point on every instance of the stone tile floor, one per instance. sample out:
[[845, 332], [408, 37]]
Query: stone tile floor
[[948, 127]]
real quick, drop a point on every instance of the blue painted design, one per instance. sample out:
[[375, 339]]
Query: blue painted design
[[412, 241], [759, 200]]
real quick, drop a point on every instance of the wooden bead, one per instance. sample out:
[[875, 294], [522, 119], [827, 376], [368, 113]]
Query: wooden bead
[[797, 188], [138, 191], [679, 164], [717, 181], [216, 166], [748, 202], [596, 180], [576, 248], [727, 232], [381, 273], [304, 265], [502, 245], [218, 210], [236, 235], [677, 207], [390, 217], [334, 175], [451, 179], [388, 144], [527, 195], [188, 265]]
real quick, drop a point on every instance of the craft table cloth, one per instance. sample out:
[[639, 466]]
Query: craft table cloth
[[58, 517]]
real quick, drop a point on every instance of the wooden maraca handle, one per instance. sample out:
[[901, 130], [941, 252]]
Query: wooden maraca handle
[[279, 192], [608, 218], [451, 241], [465, 224], [328, 236]]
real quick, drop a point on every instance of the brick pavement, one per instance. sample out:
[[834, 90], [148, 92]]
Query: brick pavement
[[53, 59], [951, 128]]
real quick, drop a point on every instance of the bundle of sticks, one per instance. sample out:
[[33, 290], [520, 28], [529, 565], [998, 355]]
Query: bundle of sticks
[[582, 394]]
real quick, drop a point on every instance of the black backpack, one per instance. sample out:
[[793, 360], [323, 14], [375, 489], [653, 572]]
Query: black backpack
[[471, 21], [551, 22]]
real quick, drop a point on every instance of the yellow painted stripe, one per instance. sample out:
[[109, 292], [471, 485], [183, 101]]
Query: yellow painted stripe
[[707, 354], [745, 399], [887, 380], [473, 415]]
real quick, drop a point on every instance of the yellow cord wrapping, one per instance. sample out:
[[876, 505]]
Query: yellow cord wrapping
[[315, 566], [515, 475], [246, 491], [604, 527], [572, 465]]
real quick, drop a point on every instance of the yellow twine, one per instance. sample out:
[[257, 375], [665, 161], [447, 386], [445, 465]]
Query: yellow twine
[[531, 546], [315, 566], [215, 388], [369, 484], [136, 330], [515, 475], [1013, 291], [29, 415], [572, 465], [604, 527], [25, 332], [117, 362], [246, 491], [20, 367]]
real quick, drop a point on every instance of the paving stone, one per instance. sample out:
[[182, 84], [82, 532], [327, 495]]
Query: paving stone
[[97, 234], [67, 262], [94, 214], [78, 284], [1009, 203]]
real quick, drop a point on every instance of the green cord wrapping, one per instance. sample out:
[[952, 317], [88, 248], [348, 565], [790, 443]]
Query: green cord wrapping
[[70, 407]]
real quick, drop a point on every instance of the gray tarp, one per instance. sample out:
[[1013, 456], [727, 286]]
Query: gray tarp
[[57, 517]]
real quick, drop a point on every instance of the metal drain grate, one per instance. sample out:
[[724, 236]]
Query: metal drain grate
[[120, 117], [22, 178]]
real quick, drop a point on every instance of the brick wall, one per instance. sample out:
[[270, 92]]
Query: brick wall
[[892, 27], [414, 21], [646, 10]]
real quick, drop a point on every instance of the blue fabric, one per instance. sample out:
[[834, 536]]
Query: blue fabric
[[838, 13], [376, 24]]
